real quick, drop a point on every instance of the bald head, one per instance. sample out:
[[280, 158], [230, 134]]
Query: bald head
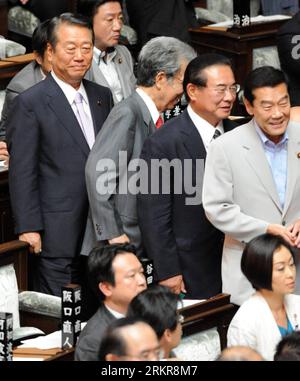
[[239, 353]]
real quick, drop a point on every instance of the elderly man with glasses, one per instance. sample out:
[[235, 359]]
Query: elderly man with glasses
[[185, 247]]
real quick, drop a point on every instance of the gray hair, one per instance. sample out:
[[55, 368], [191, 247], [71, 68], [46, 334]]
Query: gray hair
[[162, 54]]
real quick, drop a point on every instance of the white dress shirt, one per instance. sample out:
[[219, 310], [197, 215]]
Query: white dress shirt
[[70, 93], [109, 71], [150, 105], [205, 129]]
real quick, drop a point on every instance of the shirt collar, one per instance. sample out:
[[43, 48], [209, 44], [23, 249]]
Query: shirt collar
[[98, 54], [149, 103], [116, 314], [69, 90], [266, 140], [207, 128]]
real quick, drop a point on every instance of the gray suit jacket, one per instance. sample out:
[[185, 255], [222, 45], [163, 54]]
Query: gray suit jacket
[[113, 212], [240, 196], [88, 345], [27, 77], [124, 66]]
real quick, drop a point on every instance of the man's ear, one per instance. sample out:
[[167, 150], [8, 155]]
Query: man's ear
[[49, 52], [191, 90], [105, 288], [160, 79], [248, 106]]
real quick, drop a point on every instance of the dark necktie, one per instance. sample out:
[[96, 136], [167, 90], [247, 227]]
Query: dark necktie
[[217, 134]]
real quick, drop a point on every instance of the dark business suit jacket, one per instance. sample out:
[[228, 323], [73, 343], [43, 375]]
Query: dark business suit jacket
[[88, 345], [48, 153], [289, 55], [152, 18], [178, 237]]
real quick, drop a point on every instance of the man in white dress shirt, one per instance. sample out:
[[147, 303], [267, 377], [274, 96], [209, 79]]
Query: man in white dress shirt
[[49, 139], [184, 246], [112, 64]]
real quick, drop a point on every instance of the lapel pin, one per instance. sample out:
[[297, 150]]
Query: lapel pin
[[298, 155], [120, 60], [99, 103]]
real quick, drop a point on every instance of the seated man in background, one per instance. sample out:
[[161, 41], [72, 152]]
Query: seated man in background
[[157, 306], [31, 74], [239, 353], [130, 339], [117, 275], [112, 64]]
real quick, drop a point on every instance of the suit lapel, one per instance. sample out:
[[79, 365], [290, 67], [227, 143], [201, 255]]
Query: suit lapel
[[149, 126], [191, 137], [292, 167], [122, 74], [256, 157], [63, 111], [95, 105]]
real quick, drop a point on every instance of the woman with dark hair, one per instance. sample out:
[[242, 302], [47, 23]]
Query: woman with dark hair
[[273, 311]]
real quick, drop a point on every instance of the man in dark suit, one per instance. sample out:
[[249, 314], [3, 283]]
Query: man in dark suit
[[185, 247], [113, 216], [49, 138], [116, 274], [152, 18], [43, 9]]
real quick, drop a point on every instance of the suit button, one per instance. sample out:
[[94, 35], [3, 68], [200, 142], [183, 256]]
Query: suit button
[[283, 223]]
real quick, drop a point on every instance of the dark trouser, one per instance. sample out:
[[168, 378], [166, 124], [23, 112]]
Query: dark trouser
[[51, 274]]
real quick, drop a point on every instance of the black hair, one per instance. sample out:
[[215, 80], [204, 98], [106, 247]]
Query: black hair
[[194, 71], [100, 263], [40, 38], [257, 259], [288, 349], [265, 76], [157, 306], [99, 3], [69, 19]]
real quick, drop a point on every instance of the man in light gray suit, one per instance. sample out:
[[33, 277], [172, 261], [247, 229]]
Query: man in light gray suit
[[112, 65], [113, 213], [31, 74], [252, 177]]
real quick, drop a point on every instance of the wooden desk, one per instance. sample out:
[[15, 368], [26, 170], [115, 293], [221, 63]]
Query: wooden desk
[[214, 312], [55, 354], [236, 43], [12, 65]]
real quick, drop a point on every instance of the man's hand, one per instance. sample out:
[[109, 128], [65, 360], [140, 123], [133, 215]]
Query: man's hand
[[295, 229], [34, 240], [121, 239], [283, 232], [4, 155], [175, 284]]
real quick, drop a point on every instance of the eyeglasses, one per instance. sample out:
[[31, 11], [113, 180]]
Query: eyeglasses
[[222, 89]]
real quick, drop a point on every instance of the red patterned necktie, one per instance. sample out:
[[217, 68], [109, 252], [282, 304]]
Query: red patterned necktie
[[159, 122]]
